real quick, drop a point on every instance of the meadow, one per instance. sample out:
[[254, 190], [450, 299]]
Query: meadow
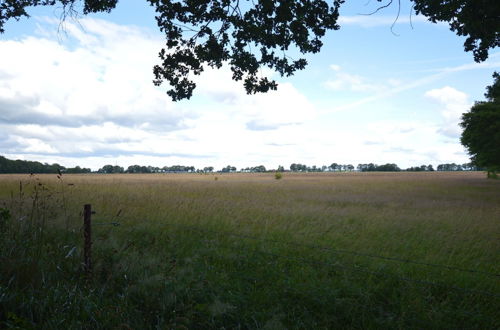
[[249, 251]]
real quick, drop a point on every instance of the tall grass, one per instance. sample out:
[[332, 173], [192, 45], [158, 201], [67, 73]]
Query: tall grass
[[250, 251]]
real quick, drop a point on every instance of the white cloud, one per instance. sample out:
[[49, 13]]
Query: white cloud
[[262, 111], [335, 67], [351, 82], [100, 74], [355, 83], [397, 86], [89, 100], [369, 21], [90, 95], [89, 92], [35, 146], [408, 143], [453, 104]]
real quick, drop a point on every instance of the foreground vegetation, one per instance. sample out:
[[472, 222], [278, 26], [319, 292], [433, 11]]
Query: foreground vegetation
[[314, 250]]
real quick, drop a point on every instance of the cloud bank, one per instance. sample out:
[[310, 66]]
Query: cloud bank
[[86, 98]]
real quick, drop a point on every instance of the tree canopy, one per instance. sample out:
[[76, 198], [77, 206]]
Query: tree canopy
[[24, 166], [250, 35], [481, 135]]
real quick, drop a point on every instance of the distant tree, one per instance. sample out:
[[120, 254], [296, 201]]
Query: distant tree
[[298, 167], [280, 169], [378, 168], [469, 167], [24, 166], [481, 134], [176, 169], [105, 169], [258, 169], [458, 167], [134, 169], [387, 168], [77, 170], [228, 169], [118, 169], [334, 166], [421, 168], [111, 169]]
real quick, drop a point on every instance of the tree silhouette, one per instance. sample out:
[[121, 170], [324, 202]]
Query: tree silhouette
[[250, 36], [481, 135]]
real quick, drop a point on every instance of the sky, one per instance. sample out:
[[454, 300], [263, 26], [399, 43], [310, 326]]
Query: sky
[[81, 93]]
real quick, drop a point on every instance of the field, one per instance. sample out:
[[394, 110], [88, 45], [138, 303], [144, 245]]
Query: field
[[307, 251]]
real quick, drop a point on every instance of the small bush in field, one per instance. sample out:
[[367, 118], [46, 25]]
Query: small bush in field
[[278, 175]]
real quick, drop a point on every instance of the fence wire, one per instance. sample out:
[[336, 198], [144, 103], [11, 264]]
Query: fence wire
[[344, 265], [340, 251], [349, 266]]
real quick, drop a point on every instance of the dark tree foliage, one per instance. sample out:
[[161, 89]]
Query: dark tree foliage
[[108, 169], [477, 20], [248, 39], [228, 169], [421, 168], [24, 166], [201, 33], [493, 92], [249, 35], [178, 169], [458, 167], [481, 135], [17, 8], [389, 167], [298, 167], [139, 169], [77, 169]]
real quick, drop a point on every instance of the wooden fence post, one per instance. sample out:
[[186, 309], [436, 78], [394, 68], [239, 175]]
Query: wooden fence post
[[87, 235]]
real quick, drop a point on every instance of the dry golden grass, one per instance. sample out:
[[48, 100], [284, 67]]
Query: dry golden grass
[[440, 216], [450, 219]]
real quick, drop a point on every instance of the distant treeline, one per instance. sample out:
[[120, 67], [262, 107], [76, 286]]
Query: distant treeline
[[24, 166]]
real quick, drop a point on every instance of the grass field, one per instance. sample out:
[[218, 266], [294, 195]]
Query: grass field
[[308, 251]]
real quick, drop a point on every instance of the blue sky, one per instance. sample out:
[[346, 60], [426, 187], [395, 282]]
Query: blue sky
[[84, 96]]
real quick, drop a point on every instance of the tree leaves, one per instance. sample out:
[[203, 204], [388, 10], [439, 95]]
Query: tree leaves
[[478, 20], [208, 33], [481, 135], [250, 35]]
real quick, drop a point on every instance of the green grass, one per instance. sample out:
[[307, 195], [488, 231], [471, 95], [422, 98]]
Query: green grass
[[250, 251]]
